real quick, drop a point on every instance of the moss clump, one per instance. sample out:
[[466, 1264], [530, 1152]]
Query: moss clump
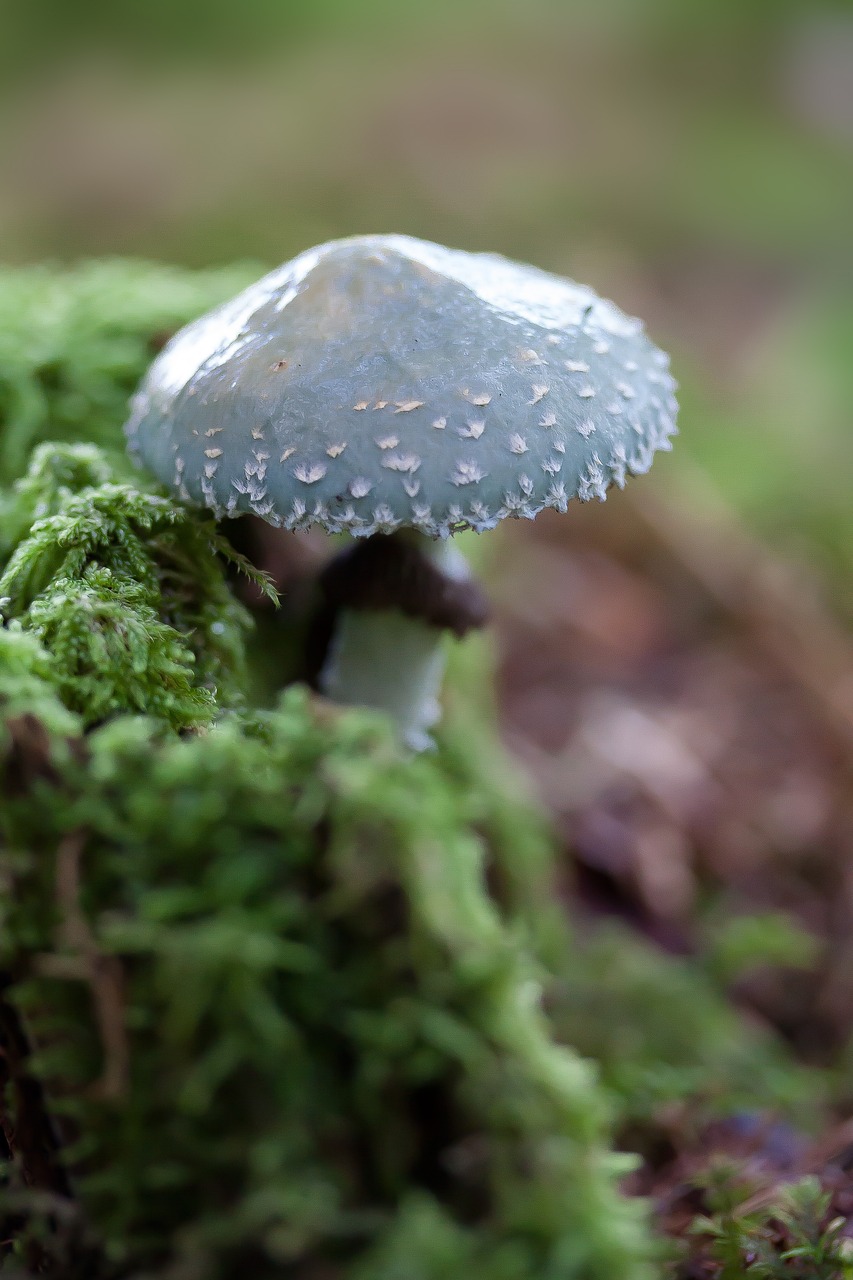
[[789, 1234], [669, 1035], [123, 590], [282, 1023]]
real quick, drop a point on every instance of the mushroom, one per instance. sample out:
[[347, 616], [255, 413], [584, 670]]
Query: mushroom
[[400, 392]]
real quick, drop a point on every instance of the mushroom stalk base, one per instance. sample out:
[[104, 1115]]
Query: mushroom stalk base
[[389, 662], [392, 662]]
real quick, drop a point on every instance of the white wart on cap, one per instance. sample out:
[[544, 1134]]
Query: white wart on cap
[[383, 382]]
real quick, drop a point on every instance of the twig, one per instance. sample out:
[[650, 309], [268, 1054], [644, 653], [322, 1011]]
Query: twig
[[103, 972], [29, 1132]]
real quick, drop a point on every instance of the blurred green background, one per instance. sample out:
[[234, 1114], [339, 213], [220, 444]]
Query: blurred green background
[[689, 158]]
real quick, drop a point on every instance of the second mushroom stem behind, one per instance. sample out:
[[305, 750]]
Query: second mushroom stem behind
[[392, 600]]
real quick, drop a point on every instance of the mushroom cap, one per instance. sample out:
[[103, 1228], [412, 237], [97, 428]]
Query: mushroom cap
[[382, 382]]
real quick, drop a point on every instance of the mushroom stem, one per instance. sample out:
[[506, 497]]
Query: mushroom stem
[[392, 658], [389, 662]]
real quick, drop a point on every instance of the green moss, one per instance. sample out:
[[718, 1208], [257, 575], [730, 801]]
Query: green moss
[[123, 590], [792, 1235], [117, 583], [277, 1009], [26, 684], [663, 1031]]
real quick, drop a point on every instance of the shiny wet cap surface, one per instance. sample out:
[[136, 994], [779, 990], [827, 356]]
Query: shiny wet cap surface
[[384, 382]]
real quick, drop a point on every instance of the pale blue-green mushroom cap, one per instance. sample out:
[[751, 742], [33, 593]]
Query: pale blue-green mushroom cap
[[383, 382]]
